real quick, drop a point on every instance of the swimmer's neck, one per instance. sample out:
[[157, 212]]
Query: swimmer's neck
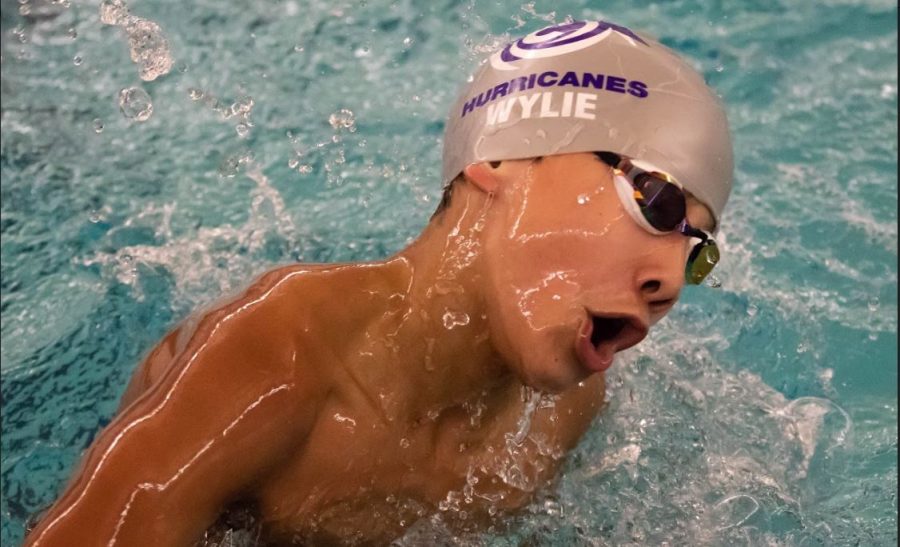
[[445, 355]]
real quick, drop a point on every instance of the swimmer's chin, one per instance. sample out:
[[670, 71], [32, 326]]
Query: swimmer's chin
[[556, 377]]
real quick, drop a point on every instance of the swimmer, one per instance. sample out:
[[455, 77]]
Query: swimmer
[[586, 168]]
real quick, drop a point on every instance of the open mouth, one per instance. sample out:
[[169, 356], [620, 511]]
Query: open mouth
[[606, 328], [606, 334]]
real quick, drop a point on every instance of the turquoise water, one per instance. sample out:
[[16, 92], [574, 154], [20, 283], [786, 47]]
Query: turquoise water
[[762, 411]]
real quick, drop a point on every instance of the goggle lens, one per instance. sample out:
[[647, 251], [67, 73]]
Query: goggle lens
[[661, 202], [702, 260]]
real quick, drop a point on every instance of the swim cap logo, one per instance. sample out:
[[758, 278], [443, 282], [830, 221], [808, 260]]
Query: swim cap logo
[[557, 40]]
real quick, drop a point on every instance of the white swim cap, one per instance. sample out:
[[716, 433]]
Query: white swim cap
[[591, 86]]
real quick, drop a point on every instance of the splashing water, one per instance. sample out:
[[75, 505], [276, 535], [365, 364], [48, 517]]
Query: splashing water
[[760, 413], [343, 119], [148, 47]]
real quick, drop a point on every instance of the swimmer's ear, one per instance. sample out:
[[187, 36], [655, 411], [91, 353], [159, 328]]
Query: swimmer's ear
[[484, 175], [490, 175]]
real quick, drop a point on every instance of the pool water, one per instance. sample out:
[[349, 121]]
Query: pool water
[[763, 410]]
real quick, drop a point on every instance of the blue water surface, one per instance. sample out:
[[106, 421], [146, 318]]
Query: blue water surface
[[763, 410]]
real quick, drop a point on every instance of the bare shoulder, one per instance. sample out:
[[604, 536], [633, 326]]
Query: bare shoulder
[[273, 299]]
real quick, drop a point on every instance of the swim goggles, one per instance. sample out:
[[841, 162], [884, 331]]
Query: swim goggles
[[656, 201]]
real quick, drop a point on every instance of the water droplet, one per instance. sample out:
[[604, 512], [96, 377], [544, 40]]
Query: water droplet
[[242, 106], [733, 511], [135, 104], [343, 119], [231, 164], [77, 60], [98, 125], [583, 198], [195, 94], [20, 35], [454, 319]]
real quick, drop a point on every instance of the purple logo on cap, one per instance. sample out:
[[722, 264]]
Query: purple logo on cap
[[559, 39]]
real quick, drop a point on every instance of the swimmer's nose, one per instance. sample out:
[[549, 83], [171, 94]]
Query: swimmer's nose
[[661, 278]]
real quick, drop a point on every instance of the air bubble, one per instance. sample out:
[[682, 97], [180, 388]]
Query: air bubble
[[404, 443], [72, 33], [135, 104], [242, 130], [583, 198], [98, 125], [195, 94], [77, 60]]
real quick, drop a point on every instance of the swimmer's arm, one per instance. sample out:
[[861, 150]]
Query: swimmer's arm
[[232, 405], [159, 359]]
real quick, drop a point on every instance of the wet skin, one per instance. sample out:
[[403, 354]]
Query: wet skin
[[346, 401]]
